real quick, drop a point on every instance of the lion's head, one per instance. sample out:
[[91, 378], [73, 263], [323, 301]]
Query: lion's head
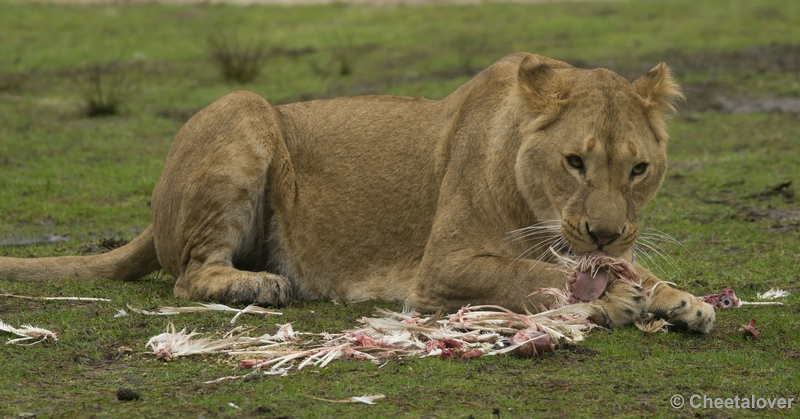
[[593, 150]]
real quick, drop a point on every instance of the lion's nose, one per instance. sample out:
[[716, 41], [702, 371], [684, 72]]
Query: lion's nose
[[601, 238]]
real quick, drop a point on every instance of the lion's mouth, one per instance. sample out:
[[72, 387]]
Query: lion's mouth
[[593, 271]]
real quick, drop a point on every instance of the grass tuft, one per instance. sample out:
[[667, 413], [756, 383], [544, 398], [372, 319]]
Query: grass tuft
[[239, 60], [342, 59], [12, 82], [103, 94]]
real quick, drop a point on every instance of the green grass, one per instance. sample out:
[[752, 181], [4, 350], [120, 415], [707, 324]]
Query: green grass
[[91, 178]]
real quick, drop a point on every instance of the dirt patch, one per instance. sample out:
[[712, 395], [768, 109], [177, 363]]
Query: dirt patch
[[45, 239], [710, 97], [783, 189], [742, 104], [582, 350], [761, 59], [103, 245], [782, 218], [758, 61]]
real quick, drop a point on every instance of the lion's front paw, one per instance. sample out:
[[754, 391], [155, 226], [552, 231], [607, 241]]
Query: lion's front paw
[[622, 304], [681, 309]]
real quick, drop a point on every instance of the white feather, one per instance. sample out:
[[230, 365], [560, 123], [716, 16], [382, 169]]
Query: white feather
[[772, 294], [27, 332]]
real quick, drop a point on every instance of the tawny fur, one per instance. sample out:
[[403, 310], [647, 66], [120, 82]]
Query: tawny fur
[[407, 199]]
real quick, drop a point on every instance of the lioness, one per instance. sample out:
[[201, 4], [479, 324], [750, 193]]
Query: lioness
[[410, 199]]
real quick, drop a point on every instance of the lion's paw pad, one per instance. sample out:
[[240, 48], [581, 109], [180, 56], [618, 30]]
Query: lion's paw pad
[[685, 312]]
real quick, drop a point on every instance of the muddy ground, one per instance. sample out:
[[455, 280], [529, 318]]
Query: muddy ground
[[762, 60], [728, 95], [708, 96], [725, 91]]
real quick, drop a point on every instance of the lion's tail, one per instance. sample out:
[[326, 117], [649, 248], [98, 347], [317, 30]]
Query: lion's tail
[[132, 261]]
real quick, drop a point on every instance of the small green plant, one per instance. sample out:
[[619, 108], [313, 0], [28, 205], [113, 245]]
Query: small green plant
[[239, 60], [11, 82], [103, 95], [11, 74], [340, 56]]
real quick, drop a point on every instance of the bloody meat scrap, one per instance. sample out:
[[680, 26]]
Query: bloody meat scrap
[[750, 329], [724, 299]]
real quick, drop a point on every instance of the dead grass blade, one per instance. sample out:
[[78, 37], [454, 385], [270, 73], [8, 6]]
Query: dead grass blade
[[366, 399], [80, 299], [165, 311]]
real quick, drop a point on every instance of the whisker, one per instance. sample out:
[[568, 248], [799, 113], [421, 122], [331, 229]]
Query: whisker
[[651, 264], [539, 231], [543, 232], [655, 247], [548, 256], [549, 243], [548, 227], [655, 239], [537, 247], [547, 234], [537, 261], [533, 232], [538, 237], [661, 253], [655, 233]]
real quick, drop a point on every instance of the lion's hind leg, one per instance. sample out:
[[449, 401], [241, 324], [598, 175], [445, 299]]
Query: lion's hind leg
[[224, 254], [217, 268], [211, 209]]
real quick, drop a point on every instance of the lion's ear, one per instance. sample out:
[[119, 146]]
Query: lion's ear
[[537, 83], [658, 89], [533, 73], [659, 93]]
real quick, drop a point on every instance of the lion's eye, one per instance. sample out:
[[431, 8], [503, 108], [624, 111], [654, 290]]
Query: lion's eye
[[575, 162], [639, 169]]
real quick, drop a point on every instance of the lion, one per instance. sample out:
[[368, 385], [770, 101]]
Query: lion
[[409, 199]]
